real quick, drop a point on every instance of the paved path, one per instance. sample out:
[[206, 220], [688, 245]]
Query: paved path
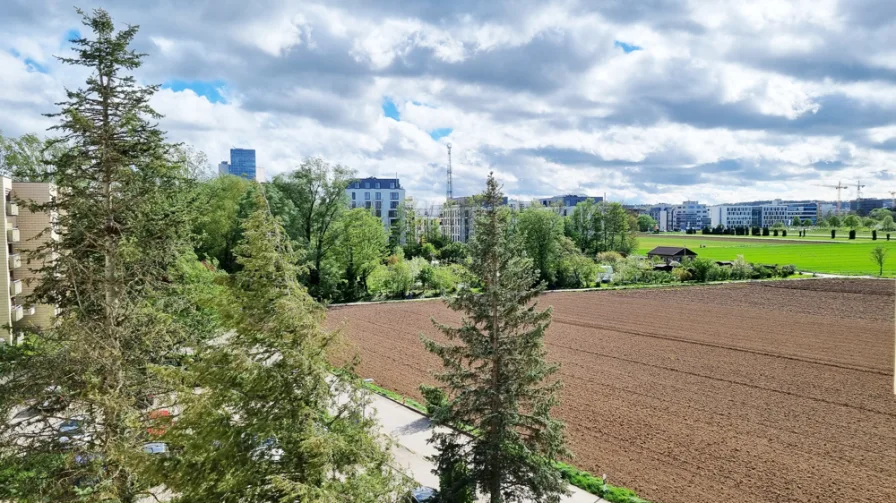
[[410, 430]]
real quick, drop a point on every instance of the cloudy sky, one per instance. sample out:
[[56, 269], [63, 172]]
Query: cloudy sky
[[647, 101]]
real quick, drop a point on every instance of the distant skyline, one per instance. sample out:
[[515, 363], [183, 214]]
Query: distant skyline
[[663, 100]]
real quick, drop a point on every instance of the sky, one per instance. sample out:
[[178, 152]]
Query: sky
[[647, 101]]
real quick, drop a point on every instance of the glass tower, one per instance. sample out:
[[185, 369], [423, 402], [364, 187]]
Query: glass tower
[[242, 163]]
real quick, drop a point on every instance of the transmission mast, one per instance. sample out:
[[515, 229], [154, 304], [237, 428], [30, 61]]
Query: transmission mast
[[450, 192]]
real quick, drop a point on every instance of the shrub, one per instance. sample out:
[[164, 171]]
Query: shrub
[[608, 257], [765, 231], [700, 268], [784, 233], [874, 235], [833, 233], [786, 270], [682, 274], [740, 269], [852, 234], [718, 273], [776, 232]]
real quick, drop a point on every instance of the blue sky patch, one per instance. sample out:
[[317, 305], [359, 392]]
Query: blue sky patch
[[33, 66], [210, 89], [390, 110], [626, 47], [72, 34], [442, 132]]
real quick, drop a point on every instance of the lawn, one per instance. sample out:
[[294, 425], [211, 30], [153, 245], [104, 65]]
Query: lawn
[[841, 257]]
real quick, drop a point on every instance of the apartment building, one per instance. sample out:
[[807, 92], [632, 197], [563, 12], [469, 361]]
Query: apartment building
[[457, 217], [22, 231], [731, 216], [382, 196]]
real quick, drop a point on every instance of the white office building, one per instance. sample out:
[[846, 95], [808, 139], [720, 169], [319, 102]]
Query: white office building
[[731, 216]]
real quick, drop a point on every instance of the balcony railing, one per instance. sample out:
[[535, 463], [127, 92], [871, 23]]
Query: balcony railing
[[12, 209], [16, 313], [15, 287], [15, 261], [12, 235]]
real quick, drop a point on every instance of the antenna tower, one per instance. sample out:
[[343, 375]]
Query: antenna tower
[[450, 192]]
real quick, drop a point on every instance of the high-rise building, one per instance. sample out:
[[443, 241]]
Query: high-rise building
[[242, 164], [23, 230], [382, 196]]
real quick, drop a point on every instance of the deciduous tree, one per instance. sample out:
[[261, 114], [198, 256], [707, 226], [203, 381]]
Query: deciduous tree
[[879, 257], [496, 376], [361, 246], [540, 230]]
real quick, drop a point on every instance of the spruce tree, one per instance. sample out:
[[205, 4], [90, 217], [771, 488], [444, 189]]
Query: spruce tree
[[271, 422], [109, 265], [495, 376]]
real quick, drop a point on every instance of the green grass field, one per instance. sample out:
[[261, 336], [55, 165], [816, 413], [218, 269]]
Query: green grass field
[[840, 257]]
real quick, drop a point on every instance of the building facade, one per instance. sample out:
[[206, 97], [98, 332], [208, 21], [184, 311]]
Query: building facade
[[771, 214], [242, 164], [567, 203], [863, 207], [690, 215], [804, 211], [381, 196], [731, 216], [22, 231]]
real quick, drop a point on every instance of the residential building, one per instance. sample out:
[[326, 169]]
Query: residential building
[[731, 216], [381, 196], [457, 217], [863, 207], [567, 203], [690, 215], [21, 232], [662, 213], [242, 163]]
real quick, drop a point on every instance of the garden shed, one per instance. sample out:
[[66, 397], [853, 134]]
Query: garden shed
[[671, 253]]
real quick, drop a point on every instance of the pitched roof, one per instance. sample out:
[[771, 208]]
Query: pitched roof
[[670, 251]]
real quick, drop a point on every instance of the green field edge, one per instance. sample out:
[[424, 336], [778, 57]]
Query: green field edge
[[574, 476]]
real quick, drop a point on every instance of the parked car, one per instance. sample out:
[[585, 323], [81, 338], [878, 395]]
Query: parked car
[[155, 448], [55, 400], [605, 274], [422, 495], [72, 430]]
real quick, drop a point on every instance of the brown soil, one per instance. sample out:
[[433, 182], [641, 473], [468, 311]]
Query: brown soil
[[759, 392]]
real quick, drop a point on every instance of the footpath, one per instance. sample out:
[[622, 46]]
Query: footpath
[[410, 430]]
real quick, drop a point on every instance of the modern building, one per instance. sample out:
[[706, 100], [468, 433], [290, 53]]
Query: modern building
[[242, 163], [457, 217], [863, 207], [22, 231], [771, 214], [662, 213], [731, 216], [690, 215], [382, 196], [805, 211], [567, 203]]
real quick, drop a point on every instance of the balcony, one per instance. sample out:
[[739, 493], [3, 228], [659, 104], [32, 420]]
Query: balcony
[[16, 313], [15, 261], [15, 287], [29, 311], [12, 209], [12, 235]]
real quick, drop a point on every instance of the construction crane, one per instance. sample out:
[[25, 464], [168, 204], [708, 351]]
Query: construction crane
[[839, 188], [450, 191], [859, 188]]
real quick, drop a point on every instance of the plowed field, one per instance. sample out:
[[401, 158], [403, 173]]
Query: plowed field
[[759, 392]]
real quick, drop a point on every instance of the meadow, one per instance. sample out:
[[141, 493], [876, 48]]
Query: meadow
[[807, 254]]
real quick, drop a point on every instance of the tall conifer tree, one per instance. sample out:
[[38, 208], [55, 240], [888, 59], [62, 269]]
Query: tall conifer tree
[[495, 374]]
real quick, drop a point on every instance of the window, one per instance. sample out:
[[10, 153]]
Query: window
[[353, 195], [394, 196], [393, 214], [377, 185], [393, 204], [354, 204], [366, 185], [379, 196], [379, 204], [391, 185], [367, 205], [379, 213], [367, 196]]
